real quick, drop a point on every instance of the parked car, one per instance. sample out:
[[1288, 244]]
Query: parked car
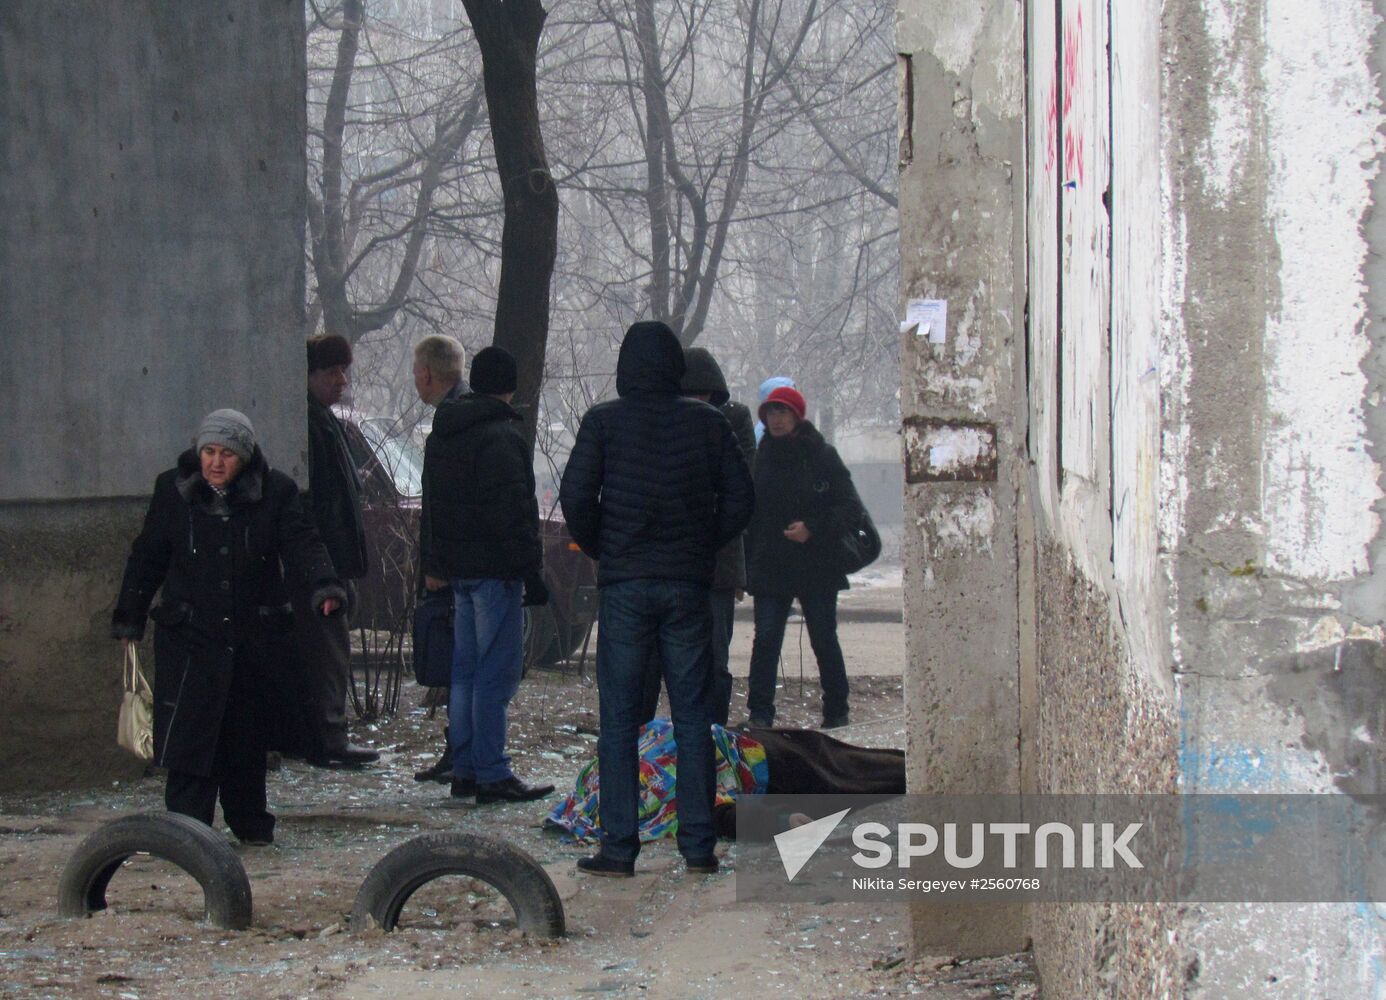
[[391, 465]]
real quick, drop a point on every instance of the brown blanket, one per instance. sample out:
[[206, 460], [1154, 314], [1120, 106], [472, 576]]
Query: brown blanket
[[808, 762]]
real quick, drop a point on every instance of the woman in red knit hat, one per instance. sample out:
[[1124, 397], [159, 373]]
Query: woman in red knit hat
[[804, 498]]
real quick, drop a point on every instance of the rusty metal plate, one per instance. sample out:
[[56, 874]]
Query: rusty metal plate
[[949, 451]]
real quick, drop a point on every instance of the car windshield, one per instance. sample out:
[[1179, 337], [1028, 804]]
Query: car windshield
[[397, 452]]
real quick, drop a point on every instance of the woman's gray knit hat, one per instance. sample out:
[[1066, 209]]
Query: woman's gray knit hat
[[229, 428]]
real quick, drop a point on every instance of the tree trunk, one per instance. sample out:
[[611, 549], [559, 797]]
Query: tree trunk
[[656, 141], [507, 33]]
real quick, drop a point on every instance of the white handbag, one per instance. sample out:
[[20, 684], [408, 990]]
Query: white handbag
[[135, 728]]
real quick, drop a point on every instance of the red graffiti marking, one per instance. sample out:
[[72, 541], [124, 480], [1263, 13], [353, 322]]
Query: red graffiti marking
[[1075, 142], [1051, 127]]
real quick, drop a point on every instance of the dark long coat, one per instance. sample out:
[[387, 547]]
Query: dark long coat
[[333, 498], [701, 374], [223, 606], [799, 477]]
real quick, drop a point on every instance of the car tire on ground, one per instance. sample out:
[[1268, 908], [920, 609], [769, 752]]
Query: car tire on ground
[[519, 878], [192, 846]]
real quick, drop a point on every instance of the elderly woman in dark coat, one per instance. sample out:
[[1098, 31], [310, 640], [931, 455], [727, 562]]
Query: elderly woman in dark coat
[[218, 527]]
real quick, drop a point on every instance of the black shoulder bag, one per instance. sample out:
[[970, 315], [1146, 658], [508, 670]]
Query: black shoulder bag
[[858, 543]]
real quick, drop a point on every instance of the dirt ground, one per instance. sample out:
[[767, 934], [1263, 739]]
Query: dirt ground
[[661, 934]]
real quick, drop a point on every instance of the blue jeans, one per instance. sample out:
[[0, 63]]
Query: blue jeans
[[487, 660], [820, 615], [636, 620], [722, 604]]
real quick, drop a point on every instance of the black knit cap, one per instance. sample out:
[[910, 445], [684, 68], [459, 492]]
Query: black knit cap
[[328, 351], [493, 372]]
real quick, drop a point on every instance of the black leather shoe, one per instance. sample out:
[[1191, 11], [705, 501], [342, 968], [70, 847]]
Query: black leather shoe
[[757, 722], [441, 772], [512, 789], [349, 755], [463, 788], [834, 721], [606, 867], [703, 866]]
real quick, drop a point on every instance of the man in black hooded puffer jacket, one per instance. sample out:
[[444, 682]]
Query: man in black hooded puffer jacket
[[703, 379], [654, 487]]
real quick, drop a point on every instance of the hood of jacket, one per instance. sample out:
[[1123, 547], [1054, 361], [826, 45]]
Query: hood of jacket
[[454, 416], [651, 360], [247, 487], [703, 374]]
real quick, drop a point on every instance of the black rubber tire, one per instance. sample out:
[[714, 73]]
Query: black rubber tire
[[192, 846], [567, 638], [540, 638], [518, 877]]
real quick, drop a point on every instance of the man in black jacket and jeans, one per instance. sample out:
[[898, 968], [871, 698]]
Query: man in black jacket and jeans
[[703, 379], [479, 534], [333, 501], [654, 487]]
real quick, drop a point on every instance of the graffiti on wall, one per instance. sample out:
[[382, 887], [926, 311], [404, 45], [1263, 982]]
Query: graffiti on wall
[[1074, 137]]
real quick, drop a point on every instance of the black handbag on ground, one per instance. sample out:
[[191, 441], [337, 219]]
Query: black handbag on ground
[[433, 638]]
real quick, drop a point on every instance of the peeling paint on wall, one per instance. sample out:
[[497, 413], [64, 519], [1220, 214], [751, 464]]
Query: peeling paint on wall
[[1222, 152], [1324, 120], [966, 525]]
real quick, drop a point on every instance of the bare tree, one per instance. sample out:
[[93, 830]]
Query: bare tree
[[725, 165], [349, 225], [507, 32], [693, 191]]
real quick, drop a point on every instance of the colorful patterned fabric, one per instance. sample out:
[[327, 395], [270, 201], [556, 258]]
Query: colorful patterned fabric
[[741, 770]]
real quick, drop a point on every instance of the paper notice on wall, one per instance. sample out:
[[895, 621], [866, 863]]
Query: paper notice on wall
[[928, 318]]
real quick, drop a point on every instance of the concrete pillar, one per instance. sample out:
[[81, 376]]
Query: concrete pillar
[[962, 238], [152, 168]]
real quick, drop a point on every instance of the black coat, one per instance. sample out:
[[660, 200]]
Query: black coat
[[480, 519], [655, 483], [730, 573], [702, 374], [334, 493], [223, 605], [798, 478]]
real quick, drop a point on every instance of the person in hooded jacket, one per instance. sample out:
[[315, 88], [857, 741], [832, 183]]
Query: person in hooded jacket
[[703, 380], [654, 487], [218, 528], [804, 496], [479, 534]]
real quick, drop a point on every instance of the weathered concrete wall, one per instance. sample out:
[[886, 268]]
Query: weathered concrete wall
[[961, 192], [1103, 716], [1273, 125], [152, 168], [1200, 585], [151, 269], [1101, 726]]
